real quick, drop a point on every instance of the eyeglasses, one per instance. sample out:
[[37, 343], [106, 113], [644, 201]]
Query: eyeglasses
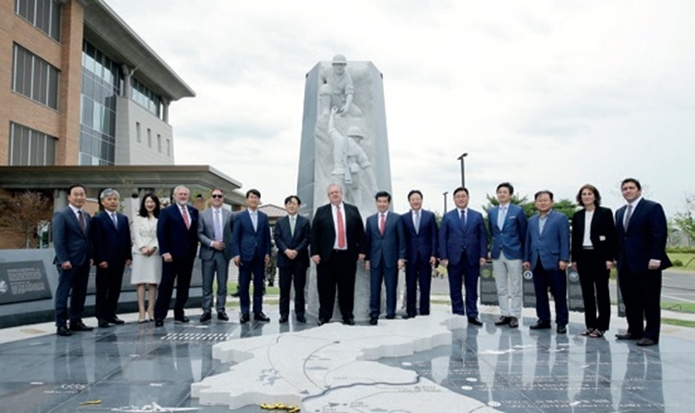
[[218, 196]]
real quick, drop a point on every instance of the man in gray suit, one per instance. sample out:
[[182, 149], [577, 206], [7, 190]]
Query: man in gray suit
[[73, 259], [215, 236]]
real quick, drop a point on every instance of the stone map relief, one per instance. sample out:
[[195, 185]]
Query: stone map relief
[[321, 372]]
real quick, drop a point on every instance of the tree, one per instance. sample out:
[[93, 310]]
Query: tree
[[22, 213], [684, 221], [564, 206]]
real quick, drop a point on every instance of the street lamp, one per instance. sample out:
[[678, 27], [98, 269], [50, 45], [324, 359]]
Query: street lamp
[[463, 169], [445, 194]]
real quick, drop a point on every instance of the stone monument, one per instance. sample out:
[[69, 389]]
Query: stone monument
[[344, 141]]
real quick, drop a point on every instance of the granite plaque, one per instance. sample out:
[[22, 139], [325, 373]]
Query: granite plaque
[[488, 287], [528, 291], [23, 281], [575, 300]]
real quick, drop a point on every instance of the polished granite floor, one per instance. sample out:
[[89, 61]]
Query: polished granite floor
[[509, 370]]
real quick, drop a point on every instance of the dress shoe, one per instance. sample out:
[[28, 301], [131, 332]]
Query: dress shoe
[[142, 320], [261, 317], [373, 321], [245, 318], [301, 318], [644, 342], [235, 295], [349, 321], [159, 323], [103, 324], [79, 326], [221, 315], [541, 325], [283, 319], [513, 322], [475, 321], [205, 317], [390, 317], [63, 331], [183, 319], [627, 336], [561, 329], [115, 320], [503, 320]]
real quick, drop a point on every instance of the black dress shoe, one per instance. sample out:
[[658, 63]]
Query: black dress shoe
[[158, 323], [475, 321], [261, 317], [541, 325], [503, 320], [301, 318], [644, 342], [283, 319], [115, 320], [221, 315], [63, 331], [245, 318], [79, 326], [349, 321], [205, 317], [183, 319], [235, 295], [513, 322], [561, 329], [323, 321], [103, 324], [627, 336], [374, 320]]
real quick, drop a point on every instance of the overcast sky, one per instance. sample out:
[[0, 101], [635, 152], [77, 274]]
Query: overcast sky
[[545, 94]]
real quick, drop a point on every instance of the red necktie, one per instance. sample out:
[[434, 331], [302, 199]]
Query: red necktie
[[186, 220], [341, 228], [382, 224]]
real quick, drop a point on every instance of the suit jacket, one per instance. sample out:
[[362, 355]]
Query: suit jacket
[[206, 233], [248, 243], [69, 241], [299, 242], [510, 239], [552, 246], [603, 237], [385, 250], [109, 243], [173, 236], [422, 244], [323, 235], [455, 238], [644, 239]]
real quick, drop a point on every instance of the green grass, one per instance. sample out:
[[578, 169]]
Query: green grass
[[679, 307], [684, 257], [676, 322]]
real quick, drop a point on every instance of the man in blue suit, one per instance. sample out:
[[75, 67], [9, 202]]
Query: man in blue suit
[[462, 250], [385, 255], [251, 252], [215, 236], [642, 231], [292, 235], [547, 252], [421, 233], [73, 258], [507, 225], [177, 235], [112, 253]]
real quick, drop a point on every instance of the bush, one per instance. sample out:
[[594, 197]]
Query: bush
[[677, 263], [685, 250]]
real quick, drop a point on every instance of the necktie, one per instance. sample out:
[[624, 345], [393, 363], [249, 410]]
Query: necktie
[[417, 222], [292, 223], [186, 219], [464, 218], [83, 223], [341, 228], [114, 218], [628, 215], [218, 225], [382, 224], [501, 216]]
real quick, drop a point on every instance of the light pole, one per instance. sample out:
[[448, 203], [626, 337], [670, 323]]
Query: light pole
[[463, 169], [445, 194]]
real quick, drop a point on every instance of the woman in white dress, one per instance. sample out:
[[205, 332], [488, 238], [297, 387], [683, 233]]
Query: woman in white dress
[[147, 264]]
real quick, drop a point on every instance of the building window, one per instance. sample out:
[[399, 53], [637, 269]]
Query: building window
[[138, 132], [149, 137], [146, 98], [44, 14], [159, 143], [34, 78], [29, 147], [168, 147]]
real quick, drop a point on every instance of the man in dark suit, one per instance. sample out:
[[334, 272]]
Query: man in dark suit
[[547, 252], [110, 235], [462, 250], [421, 242], [337, 242], [642, 231], [177, 234], [507, 224], [385, 256], [251, 252], [73, 258], [292, 236], [215, 236]]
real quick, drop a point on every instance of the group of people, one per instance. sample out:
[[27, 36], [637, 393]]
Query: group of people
[[164, 245]]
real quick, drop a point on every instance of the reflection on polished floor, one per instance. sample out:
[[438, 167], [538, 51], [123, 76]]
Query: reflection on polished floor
[[511, 370]]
